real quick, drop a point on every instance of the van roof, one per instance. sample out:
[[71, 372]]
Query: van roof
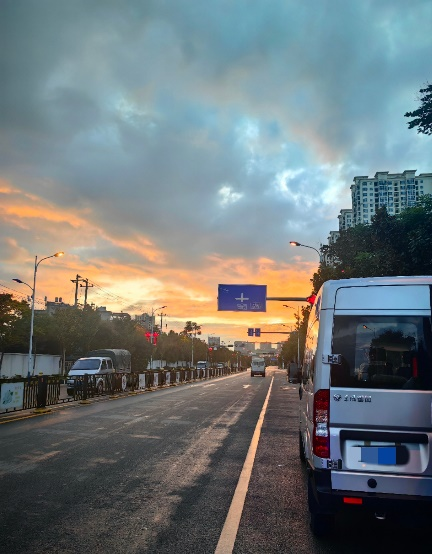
[[326, 296]]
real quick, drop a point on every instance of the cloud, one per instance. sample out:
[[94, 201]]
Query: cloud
[[163, 141]]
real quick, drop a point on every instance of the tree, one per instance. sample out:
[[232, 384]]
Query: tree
[[391, 245], [423, 115], [191, 327], [14, 322]]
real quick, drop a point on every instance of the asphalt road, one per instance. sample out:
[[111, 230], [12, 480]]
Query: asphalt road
[[157, 472]]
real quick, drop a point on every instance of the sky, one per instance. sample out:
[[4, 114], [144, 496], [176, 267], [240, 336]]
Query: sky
[[168, 146]]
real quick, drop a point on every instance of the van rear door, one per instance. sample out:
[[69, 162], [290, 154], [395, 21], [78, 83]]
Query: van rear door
[[381, 391]]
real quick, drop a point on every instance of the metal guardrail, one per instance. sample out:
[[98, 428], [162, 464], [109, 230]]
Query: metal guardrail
[[39, 392]]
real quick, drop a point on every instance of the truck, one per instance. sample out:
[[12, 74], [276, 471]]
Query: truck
[[202, 365], [99, 363], [121, 359]]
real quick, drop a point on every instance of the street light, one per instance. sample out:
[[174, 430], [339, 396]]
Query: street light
[[294, 243], [33, 289], [298, 332], [151, 335], [194, 334]]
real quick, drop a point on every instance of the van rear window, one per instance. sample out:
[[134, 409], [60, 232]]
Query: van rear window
[[383, 352]]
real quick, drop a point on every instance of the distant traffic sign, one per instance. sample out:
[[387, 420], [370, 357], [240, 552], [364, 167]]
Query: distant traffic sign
[[242, 298]]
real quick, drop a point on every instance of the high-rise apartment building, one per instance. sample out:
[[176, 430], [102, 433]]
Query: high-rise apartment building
[[345, 219], [395, 191]]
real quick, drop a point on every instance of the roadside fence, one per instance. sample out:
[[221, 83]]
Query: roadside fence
[[40, 392]]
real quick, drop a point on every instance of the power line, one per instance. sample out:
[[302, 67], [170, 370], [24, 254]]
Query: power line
[[22, 296]]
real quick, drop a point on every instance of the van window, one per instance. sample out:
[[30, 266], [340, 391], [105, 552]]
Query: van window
[[383, 352], [310, 351], [86, 363]]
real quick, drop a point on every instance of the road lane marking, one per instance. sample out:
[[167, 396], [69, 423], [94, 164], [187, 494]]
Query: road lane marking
[[232, 522]]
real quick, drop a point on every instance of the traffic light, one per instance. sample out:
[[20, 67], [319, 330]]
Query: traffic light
[[311, 299], [257, 332], [250, 332]]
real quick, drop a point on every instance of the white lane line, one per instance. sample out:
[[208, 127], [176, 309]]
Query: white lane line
[[230, 528]]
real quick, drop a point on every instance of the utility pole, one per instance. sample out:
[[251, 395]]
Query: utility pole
[[161, 315], [86, 290], [76, 281]]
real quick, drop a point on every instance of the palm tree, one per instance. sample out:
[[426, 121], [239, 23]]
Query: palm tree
[[192, 329]]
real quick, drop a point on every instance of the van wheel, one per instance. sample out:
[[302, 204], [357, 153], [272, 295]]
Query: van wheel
[[301, 449], [321, 524], [100, 388]]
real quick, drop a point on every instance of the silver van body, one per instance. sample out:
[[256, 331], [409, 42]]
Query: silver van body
[[257, 366], [365, 425]]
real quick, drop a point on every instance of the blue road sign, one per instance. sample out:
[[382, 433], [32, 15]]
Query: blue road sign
[[242, 298]]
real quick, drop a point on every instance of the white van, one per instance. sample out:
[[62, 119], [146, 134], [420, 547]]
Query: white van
[[366, 399], [95, 367], [257, 367]]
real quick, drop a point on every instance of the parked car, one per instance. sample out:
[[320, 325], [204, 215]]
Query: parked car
[[365, 400], [97, 368]]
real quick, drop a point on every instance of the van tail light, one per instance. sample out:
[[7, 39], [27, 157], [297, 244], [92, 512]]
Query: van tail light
[[321, 435], [352, 500]]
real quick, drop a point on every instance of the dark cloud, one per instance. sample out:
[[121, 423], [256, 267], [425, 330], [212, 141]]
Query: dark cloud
[[227, 128]]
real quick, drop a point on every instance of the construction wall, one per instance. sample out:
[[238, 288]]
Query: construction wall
[[17, 365]]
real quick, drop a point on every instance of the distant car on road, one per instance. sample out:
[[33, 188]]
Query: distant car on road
[[257, 367]]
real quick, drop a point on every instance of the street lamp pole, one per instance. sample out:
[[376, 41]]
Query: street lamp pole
[[294, 243], [152, 330], [298, 332], [36, 265]]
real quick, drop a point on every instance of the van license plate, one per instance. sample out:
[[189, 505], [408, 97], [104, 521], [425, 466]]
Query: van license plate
[[384, 455]]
